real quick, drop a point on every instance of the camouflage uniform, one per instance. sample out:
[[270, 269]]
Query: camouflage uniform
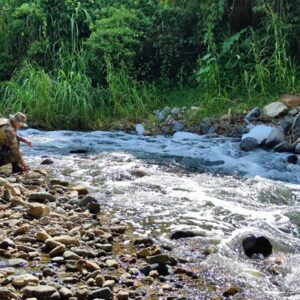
[[9, 145]]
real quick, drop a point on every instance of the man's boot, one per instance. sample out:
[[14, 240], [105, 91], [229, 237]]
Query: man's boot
[[16, 168]]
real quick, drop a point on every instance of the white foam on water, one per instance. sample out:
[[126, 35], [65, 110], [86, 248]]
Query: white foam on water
[[217, 155], [259, 132]]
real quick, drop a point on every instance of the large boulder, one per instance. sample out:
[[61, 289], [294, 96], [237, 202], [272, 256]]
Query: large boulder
[[253, 245], [275, 109], [290, 100], [259, 132]]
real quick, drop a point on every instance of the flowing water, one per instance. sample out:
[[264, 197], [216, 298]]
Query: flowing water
[[186, 181]]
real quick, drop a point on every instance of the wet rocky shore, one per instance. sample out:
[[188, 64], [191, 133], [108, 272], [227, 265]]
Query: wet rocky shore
[[274, 127], [57, 243]]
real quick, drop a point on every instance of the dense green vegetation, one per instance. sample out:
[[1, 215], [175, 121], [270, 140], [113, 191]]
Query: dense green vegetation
[[81, 64]]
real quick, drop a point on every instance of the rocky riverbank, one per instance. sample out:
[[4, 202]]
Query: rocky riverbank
[[56, 243], [275, 126]]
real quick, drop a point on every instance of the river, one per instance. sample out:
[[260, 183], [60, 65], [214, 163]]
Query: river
[[186, 181]]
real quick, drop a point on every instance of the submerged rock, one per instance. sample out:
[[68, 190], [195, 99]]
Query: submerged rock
[[47, 161], [249, 144], [78, 151], [292, 159], [179, 234], [257, 245]]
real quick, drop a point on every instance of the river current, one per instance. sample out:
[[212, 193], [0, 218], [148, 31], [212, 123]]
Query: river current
[[186, 181]]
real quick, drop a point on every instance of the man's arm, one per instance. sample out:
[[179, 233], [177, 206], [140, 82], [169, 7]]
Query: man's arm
[[21, 139]]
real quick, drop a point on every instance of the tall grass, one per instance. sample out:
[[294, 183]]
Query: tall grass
[[67, 101], [128, 98], [251, 66]]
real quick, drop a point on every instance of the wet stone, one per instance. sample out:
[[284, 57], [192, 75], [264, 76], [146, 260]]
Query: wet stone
[[145, 241], [231, 291], [17, 262], [47, 161], [94, 208], [57, 251], [80, 189], [257, 245], [48, 272], [59, 182], [41, 292], [21, 230], [109, 283], [45, 220], [7, 294], [249, 144], [86, 253], [69, 255], [122, 295], [41, 197], [100, 280], [103, 293], [65, 293], [283, 147], [179, 234], [24, 279], [106, 247], [292, 159], [38, 210], [112, 263], [159, 259], [7, 243]]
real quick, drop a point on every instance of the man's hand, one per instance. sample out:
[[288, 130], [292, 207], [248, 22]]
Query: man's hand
[[23, 166], [29, 143]]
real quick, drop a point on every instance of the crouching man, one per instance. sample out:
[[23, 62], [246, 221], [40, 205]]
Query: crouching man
[[10, 142]]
